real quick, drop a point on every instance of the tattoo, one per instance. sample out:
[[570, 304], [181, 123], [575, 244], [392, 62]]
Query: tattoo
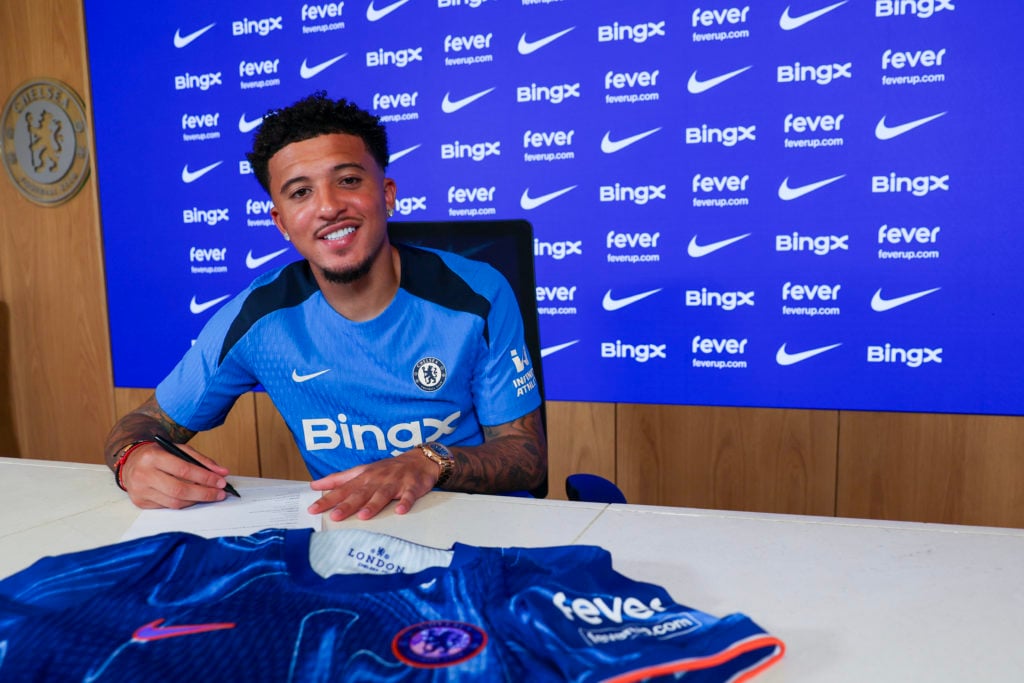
[[513, 457], [141, 424]]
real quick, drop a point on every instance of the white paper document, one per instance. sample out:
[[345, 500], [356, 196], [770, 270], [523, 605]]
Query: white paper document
[[260, 507]]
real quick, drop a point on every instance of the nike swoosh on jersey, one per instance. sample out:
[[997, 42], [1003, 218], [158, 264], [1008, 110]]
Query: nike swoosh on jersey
[[609, 146], [697, 250], [528, 203], [309, 71], [257, 261], [787, 193], [182, 41], [884, 132], [784, 358], [610, 304], [154, 631], [402, 152], [547, 351], [530, 46], [198, 308], [788, 23], [245, 126], [449, 107], [192, 176], [881, 304], [374, 14], [299, 379], [696, 86]]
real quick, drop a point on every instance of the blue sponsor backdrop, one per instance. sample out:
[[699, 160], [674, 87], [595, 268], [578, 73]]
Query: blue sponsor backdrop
[[792, 204]]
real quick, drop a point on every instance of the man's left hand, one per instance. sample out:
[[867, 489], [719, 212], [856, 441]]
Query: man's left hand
[[365, 490]]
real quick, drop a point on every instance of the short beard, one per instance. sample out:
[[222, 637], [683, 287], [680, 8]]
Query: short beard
[[349, 275]]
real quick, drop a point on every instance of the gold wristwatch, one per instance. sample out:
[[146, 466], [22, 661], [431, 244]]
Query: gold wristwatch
[[440, 454]]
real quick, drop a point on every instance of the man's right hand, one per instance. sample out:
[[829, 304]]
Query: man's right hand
[[156, 479]]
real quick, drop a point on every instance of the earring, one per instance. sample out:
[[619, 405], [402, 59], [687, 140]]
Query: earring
[[391, 212], [287, 238]]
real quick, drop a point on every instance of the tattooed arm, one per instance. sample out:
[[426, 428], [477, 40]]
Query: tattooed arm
[[514, 457], [152, 477]]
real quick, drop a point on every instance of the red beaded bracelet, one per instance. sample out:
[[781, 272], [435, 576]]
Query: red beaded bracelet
[[124, 458]]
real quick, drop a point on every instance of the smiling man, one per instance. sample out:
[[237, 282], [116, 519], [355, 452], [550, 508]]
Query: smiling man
[[394, 367]]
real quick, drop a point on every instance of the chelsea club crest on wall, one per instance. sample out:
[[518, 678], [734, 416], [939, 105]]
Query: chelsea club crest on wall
[[44, 141]]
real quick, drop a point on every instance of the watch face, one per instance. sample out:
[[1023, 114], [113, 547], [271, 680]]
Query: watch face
[[441, 450]]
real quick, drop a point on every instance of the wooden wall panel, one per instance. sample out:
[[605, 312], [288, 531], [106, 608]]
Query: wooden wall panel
[[233, 444], [279, 456], [728, 458], [59, 376], [965, 469], [581, 438]]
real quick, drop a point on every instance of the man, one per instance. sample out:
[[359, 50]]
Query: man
[[369, 350]]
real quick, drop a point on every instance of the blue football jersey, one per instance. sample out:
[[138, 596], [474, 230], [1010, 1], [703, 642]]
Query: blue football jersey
[[352, 605], [445, 357]]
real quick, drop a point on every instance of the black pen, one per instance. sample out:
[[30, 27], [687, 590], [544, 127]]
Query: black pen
[[174, 450]]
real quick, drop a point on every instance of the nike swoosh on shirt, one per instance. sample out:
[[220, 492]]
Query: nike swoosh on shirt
[[528, 203], [402, 152], [787, 193], [610, 304], [192, 176], [884, 132], [299, 379], [257, 261], [198, 308], [784, 358], [697, 250], [181, 41], [696, 86], [154, 631], [880, 304], [788, 23], [547, 351], [529, 46], [245, 126], [449, 107], [374, 14], [309, 71], [609, 146]]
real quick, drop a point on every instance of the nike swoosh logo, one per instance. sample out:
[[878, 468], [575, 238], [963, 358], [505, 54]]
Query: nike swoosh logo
[[299, 379], [374, 14], [695, 86], [248, 126], [529, 46], [192, 176], [255, 262], [547, 351], [182, 41], [879, 304], [154, 631], [198, 308], [697, 250], [609, 146], [611, 304], [449, 107], [784, 358], [528, 203], [788, 23], [884, 132], [401, 153], [787, 193], [309, 71]]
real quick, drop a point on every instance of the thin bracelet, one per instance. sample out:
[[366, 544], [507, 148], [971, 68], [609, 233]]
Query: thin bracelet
[[127, 450]]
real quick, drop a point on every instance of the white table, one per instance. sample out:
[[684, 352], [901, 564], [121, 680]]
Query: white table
[[854, 600]]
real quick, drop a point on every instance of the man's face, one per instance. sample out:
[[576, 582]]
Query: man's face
[[331, 199]]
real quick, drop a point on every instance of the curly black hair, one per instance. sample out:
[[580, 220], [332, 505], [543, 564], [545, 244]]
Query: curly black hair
[[311, 116]]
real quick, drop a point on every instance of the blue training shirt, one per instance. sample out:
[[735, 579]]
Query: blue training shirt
[[446, 356]]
